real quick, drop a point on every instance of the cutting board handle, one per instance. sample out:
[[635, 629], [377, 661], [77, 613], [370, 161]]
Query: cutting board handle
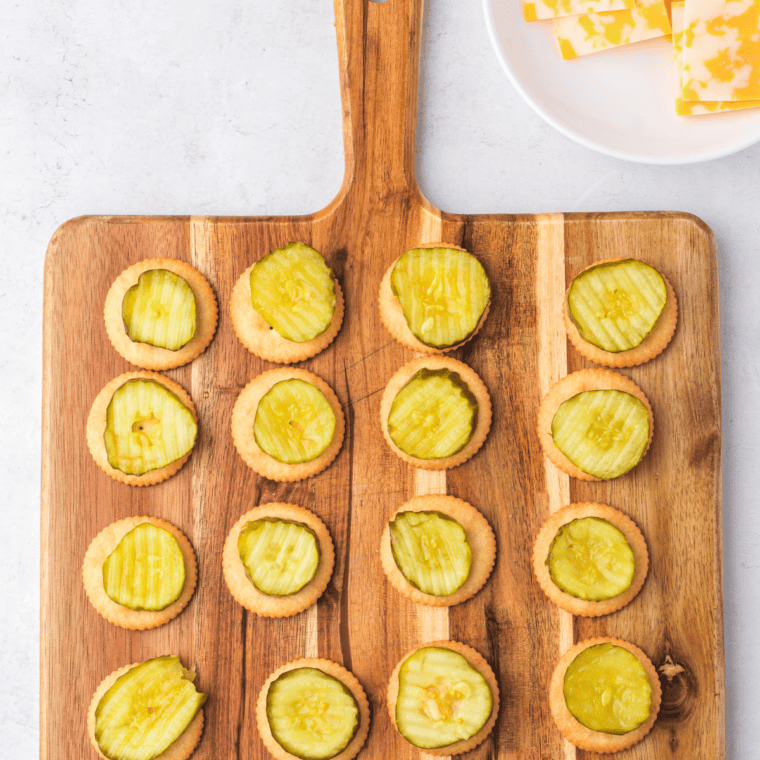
[[379, 53]]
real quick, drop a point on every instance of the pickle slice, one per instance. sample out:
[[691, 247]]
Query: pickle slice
[[443, 293], [294, 291], [160, 310], [441, 700], [434, 415], [591, 559], [311, 714], [603, 433], [617, 304], [607, 689], [146, 710], [294, 422], [147, 427], [280, 556], [431, 551], [146, 570]]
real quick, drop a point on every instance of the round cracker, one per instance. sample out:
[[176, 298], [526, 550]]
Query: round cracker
[[92, 576], [476, 387], [261, 339], [477, 661], [181, 749], [244, 415], [574, 731], [392, 315], [347, 678], [96, 425], [571, 385], [480, 537], [653, 345], [240, 585], [546, 536], [153, 357]]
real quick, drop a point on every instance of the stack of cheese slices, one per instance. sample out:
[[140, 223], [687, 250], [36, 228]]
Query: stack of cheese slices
[[716, 43]]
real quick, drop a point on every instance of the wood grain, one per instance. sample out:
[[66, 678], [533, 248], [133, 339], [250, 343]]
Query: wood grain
[[362, 622]]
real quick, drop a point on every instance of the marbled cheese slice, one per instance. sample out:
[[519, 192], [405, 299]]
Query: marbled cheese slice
[[541, 9], [591, 32], [687, 107], [721, 49]]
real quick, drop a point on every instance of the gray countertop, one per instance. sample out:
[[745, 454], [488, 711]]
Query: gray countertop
[[233, 108]]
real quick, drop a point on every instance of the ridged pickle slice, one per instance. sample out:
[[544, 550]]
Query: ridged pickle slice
[[603, 433], [441, 700], [160, 310], [617, 304], [146, 570], [443, 293], [311, 714], [294, 422], [431, 551], [146, 710], [294, 291], [434, 415], [147, 428], [280, 556], [607, 689], [591, 559]]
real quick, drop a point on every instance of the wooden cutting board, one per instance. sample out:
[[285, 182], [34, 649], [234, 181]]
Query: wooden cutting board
[[361, 621]]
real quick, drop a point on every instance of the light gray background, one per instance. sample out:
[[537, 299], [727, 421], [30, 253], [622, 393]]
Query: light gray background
[[232, 107]]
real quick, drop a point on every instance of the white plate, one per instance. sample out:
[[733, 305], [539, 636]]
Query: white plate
[[619, 102]]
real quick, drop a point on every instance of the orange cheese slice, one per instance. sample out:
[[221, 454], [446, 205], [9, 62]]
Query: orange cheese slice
[[721, 50], [687, 107], [592, 32], [542, 9]]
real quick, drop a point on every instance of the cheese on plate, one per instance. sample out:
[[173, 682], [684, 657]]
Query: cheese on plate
[[540, 9], [721, 49], [592, 32], [687, 107]]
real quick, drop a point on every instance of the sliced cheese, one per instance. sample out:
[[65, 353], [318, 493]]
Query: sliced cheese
[[541, 9], [721, 50], [691, 108], [592, 32]]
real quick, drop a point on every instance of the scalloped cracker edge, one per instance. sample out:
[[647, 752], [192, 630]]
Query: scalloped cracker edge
[[476, 387], [331, 668], [153, 357], [574, 731], [480, 537], [546, 536], [240, 585], [92, 576], [96, 425], [181, 749], [571, 385], [475, 660], [244, 416]]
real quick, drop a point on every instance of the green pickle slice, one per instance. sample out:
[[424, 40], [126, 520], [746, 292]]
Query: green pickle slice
[[294, 422], [434, 415], [146, 710], [441, 700], [160, 310], [617, 304], [591, 559], [443, 293], [146, 570], [311, 714], [607, 689], [603, 433], [280, 556], [147, 428], [294, 291], [431, 551]]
